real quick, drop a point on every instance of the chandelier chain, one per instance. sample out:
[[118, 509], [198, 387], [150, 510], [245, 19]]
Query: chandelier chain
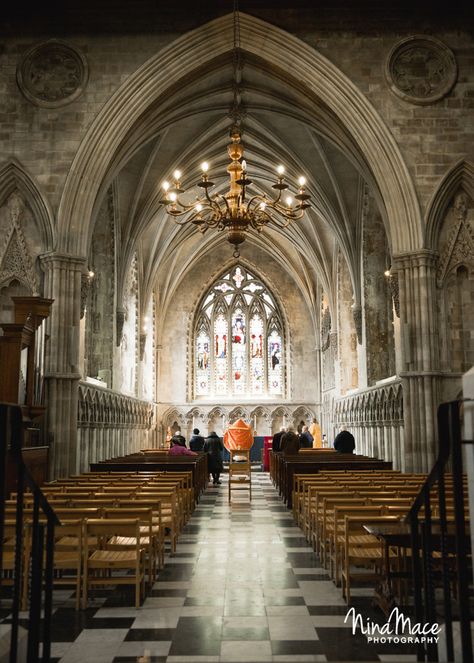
[[236, 110], [236, 212]]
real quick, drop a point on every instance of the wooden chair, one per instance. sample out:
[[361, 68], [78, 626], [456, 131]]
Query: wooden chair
[[68, 550], [158, 527], [8, 558], [361, 551], [103, 559], [147, 539], [240, 473]]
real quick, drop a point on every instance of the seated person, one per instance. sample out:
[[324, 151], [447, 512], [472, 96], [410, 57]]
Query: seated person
[[180, 450], [344, 442], [178, 439]]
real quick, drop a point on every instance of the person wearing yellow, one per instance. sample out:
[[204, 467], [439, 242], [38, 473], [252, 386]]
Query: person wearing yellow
[[315, 430]]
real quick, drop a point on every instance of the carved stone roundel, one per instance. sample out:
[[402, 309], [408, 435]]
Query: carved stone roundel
[[52, 74], [421, 69]]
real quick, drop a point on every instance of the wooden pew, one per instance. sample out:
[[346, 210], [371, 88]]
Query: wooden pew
[[288, 466]]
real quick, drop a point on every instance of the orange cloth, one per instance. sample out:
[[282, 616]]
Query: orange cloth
[[315, 430], [238, 436]]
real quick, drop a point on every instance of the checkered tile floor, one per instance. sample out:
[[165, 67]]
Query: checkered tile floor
[[243, 587]]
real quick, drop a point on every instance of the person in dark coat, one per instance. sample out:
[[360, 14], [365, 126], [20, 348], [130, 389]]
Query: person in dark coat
[[344, 442], [306, 439], [178, 439], [214, 448], [196, 443], [277, 439], [290, 442]]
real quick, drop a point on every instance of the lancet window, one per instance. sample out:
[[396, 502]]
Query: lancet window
[[238, 339]]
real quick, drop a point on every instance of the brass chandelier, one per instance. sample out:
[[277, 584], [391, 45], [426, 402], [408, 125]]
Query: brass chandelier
[[237, 211]]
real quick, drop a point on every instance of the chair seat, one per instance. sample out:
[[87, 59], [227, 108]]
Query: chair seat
[[73, 542], [365, 553], [128, 540], [112, 557]]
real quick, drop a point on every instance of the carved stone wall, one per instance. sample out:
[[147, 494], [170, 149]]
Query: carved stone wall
[[20, 245], [100, 319], [377, 300], [455, 280], [266, 418], [147, 384], [328, 346], [127, 356], [347, 334]]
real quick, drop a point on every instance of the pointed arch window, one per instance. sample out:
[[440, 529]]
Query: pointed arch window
[[238, 339]]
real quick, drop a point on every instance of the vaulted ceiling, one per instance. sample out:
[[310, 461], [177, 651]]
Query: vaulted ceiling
[[283, 123]]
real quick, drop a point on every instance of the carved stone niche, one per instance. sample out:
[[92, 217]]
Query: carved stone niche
[[421, 69], [52, 74]]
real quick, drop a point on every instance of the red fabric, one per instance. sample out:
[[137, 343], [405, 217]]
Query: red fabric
[[238, 436]]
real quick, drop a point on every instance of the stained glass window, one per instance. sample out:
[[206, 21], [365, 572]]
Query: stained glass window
[[238, 339], [220, 354], [239, 355], [203, 361], [257, 356], [274, 363]]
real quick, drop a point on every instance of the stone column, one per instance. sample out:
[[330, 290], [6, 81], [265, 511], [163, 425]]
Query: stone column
[[420, 356], [63, 284]]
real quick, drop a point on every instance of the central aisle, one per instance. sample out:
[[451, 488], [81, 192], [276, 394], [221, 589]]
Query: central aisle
[[242, 587]]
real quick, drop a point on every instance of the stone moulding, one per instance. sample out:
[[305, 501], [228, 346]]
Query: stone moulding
[[421, 69], [52, 74]]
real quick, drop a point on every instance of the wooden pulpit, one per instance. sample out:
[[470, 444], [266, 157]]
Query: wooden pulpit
[[21, 364]]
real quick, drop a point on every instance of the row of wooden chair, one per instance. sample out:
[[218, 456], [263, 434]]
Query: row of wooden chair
[[333, 508], [109, 523]]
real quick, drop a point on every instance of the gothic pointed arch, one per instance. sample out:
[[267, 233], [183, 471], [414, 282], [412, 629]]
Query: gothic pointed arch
[[239, 338], [301, 65]]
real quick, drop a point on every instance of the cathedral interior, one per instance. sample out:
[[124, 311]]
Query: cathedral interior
[[360, 313]]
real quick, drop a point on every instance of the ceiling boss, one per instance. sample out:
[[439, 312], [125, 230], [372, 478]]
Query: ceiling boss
[[240, 209]]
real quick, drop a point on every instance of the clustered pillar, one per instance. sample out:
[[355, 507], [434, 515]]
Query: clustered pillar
[[420, 356], [63, 284]]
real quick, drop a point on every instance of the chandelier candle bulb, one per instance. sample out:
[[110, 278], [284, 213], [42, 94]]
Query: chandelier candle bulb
[[204, 166], [281, 170], [177, 174], [302, 181], [166, 185], [289, 201]]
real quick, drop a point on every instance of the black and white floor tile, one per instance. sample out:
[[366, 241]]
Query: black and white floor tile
[[243, 587]]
